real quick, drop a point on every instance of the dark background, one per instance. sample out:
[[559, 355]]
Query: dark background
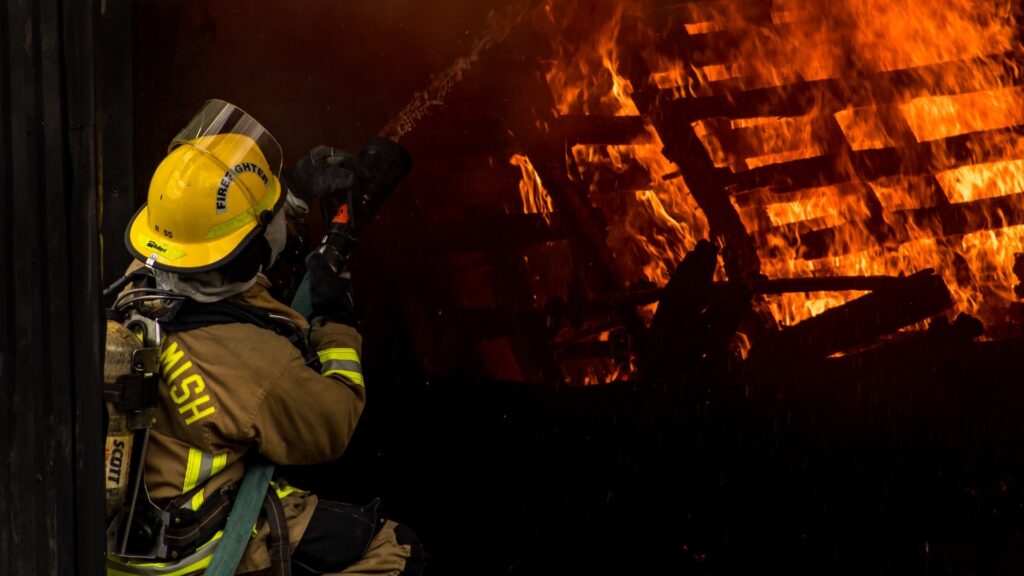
[[905, 461]]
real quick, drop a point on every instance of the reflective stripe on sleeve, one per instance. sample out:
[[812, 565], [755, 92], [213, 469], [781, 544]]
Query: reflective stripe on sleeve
[[342, 361], [283, 489], [201, 467], [197, 501], [219, 461]]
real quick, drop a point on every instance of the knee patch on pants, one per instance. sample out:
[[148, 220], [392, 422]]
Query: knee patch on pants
[[417, 555], [354, 541]]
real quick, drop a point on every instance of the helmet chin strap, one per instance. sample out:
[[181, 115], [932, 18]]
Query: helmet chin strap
[[276, 235]]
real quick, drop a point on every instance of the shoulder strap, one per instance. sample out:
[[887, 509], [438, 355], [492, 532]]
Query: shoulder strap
[[190, 315]]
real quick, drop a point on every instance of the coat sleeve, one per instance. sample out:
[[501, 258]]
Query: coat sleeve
[[307, 416]]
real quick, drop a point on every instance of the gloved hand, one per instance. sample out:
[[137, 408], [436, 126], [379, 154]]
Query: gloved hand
[[330, 287], [324, 172]]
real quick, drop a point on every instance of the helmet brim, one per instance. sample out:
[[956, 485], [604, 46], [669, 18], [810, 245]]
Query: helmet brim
[[183, 258]]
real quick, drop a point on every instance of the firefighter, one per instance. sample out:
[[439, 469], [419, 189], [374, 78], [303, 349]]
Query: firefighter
[[231, 390]]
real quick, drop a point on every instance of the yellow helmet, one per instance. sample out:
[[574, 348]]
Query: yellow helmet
[[214, 193]]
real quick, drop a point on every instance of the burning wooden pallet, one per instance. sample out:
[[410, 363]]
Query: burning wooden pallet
[[854, 190], [814, 177]]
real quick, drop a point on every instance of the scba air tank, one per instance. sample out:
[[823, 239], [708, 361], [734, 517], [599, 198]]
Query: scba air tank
[[117, 364]]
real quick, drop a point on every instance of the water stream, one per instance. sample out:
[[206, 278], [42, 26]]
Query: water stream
[[499, 24]]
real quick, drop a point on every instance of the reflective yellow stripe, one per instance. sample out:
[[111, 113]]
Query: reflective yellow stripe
[[201, 467], [349, 354], [283, 488], [355, 377], [192, 470], [242, 219], [200, 560], [219, 461], [343, 362], [288, 490], [198, 499]]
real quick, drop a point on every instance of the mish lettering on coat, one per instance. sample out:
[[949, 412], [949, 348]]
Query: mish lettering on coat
[[186, 386]]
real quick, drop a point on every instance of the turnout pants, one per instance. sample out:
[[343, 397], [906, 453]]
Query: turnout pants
[[342, 539]]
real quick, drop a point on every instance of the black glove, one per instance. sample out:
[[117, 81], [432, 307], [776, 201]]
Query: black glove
[[330, 287], [324, 172]]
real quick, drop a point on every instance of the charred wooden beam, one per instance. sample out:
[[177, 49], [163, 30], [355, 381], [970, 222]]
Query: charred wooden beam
[[583, 223], [684, 147], [585, 129], [968, 217], [859, 322], [824, 284], [705, 182], [632, 177], [943, 154], [678, 328], [685, 295], [546, 150], [755, 286], [695, 319], [730, 307]]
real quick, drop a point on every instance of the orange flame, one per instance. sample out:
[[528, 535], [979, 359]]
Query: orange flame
[[927, 89], [536, 199]]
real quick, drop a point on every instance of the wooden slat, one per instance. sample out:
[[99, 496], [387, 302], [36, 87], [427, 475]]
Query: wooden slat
[[836, 94], [861, 321], [580, 129], [920, 159], [705, 182]]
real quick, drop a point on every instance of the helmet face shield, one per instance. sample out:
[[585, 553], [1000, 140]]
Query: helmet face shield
[[212, 194], [219, 117]]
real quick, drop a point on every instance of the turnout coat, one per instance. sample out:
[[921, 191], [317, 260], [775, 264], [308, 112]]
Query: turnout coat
[[227, 390]]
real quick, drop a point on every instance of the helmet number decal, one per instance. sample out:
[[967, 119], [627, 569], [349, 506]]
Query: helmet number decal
[[229, 177]]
